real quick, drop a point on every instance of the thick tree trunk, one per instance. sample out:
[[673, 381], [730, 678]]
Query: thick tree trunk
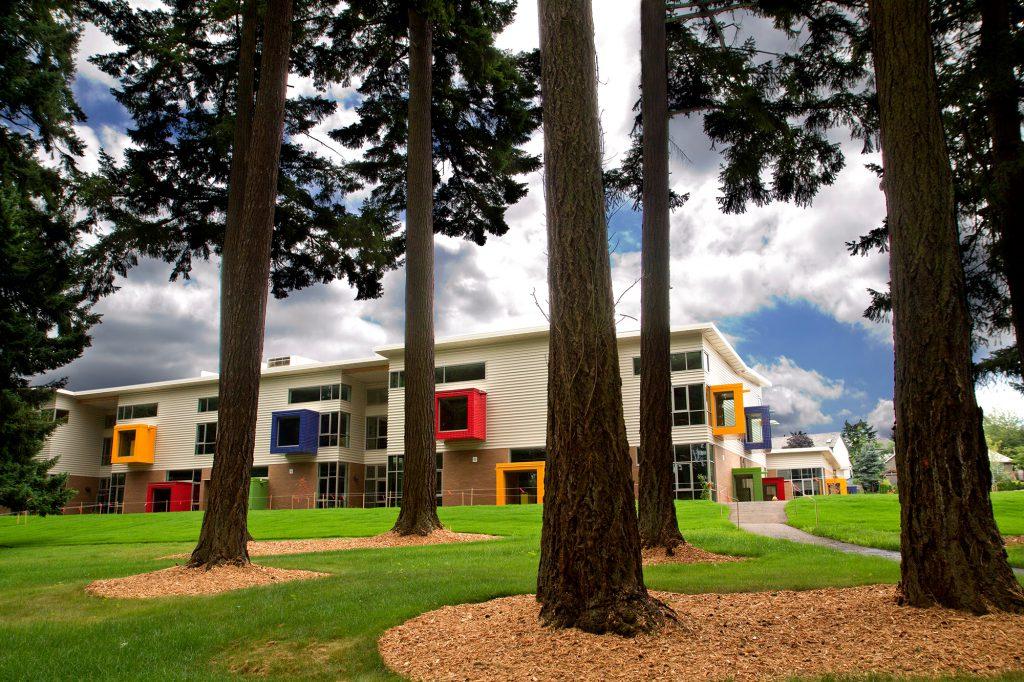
[[1002, 101], [418, 515], [658, 525], [245, 268], [590, 573], [952, 552]]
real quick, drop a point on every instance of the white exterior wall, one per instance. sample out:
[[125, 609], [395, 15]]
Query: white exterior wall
[[721, 372], [804, 460], [79, 442]]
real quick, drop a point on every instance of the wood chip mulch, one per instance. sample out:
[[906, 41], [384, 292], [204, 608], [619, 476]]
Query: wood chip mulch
[[179, 581], [685, 554], [382, 541], [1013, 540], [743, 636]]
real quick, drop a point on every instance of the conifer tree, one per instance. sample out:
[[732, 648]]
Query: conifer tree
[[45, 296]]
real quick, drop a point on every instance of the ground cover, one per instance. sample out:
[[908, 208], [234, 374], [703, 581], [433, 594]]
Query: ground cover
[[874, 520], [325, 628]]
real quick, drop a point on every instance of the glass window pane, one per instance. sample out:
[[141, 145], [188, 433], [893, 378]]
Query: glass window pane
[[288, 431], [696, 392], [454, 413], [468, 372], [725, 408], [693, 359], [305, 394]]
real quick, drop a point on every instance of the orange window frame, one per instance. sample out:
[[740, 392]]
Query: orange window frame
[[145, 444], [740, 426]]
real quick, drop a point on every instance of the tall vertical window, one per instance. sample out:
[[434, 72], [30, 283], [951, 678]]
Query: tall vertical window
[[377, 396], [396, 379], [108, 449], [375, 485], [111, 500], [330, 486], [396, 479], [727, 414], [206, 438], [694, 472], [688, 405], [376, 432]]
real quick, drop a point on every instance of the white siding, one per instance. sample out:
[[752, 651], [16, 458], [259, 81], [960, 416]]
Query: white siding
[[721, 372], [780, 460], [79, 442]]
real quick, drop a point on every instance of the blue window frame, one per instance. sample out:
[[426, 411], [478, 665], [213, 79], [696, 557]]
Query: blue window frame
[[759, 428], [294, 432]]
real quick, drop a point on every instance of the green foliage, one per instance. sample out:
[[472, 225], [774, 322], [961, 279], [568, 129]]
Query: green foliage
[[1004, 433], [866, 454], [799, 439], [44, 295], [177, 70], [483, 109]]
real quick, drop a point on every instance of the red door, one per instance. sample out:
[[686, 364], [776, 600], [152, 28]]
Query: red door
[[774, 488]]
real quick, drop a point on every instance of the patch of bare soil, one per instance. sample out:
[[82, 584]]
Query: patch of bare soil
[[685, 554], [178, 581], [746, 636], [382, 541], [1013, 540]]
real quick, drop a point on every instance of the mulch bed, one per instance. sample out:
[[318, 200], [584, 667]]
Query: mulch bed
[[1013, 540], [179, 581], [685, 554], [382, 541], [743, 636]]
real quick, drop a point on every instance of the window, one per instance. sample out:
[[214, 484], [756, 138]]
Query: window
[[396, 379], [209, 404], [727, 410], [453, 413], [126, 443], [678, 362], [375, 485], [141, 411], [467, 372], [759, 430], [282, 361], [206, 438], [109, 420], [108, 449], [693, 472], [288, 429], [396, 479], [259, 472], [312, 394], [527, 455], [688, 405], [334, 429], [110, 498], [377, 396], [61, 416], [376, 433], [330, 485], [807, 481]]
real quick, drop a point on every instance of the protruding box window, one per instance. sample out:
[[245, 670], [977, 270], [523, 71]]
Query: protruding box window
[[727, 416], [133, 444], [294, 432], [759, 428], [460, 415]]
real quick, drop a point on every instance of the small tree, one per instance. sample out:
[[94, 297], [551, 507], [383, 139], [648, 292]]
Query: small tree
[[799, 439], [868, 468]]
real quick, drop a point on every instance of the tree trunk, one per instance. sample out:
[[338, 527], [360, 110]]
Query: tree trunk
[[1002, 98], [953, 555], [658, 525], [590, 574], [245, 268], [418, 515]]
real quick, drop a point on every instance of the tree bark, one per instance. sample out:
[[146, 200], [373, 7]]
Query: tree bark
[[245, 274], [1002, 101], [953, 555], [418, 515], [590, 574], [657, 517]]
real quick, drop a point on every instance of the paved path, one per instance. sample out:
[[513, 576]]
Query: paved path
[[769, 519]]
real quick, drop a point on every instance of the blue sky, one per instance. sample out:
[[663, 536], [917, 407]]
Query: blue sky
[[777, 279]]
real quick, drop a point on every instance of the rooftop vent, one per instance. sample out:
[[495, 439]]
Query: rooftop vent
[[282, 361]]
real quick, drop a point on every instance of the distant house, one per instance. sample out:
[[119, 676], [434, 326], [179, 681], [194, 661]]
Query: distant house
[[822, 468], [996, 459]]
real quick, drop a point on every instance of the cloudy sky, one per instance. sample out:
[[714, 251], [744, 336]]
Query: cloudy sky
[[777, 280]]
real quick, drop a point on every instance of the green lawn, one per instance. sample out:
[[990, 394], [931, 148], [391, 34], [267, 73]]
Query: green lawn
[[874, 520], [325, 629]]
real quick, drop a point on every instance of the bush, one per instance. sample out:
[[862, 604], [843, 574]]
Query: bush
[[885, 487], [1006, 484]]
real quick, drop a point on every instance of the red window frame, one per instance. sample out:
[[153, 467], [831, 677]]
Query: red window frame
[[476, 415]]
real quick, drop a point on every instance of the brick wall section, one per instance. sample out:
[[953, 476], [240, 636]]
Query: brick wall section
[[725, 462], [354, 479], [292, 485], [469, 482], [635, 471], [86, 488], [136, 483]]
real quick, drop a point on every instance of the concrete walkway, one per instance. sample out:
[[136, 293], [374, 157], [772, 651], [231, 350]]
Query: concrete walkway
[[769, 519]]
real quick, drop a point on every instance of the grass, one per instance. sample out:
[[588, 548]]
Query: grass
[[324, 629], [874, 520]]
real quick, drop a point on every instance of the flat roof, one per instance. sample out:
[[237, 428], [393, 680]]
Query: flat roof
[[706, 329]]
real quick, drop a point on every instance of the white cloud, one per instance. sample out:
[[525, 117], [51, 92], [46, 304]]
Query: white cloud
[[882, 417], [1000, 396], [797, 394]]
